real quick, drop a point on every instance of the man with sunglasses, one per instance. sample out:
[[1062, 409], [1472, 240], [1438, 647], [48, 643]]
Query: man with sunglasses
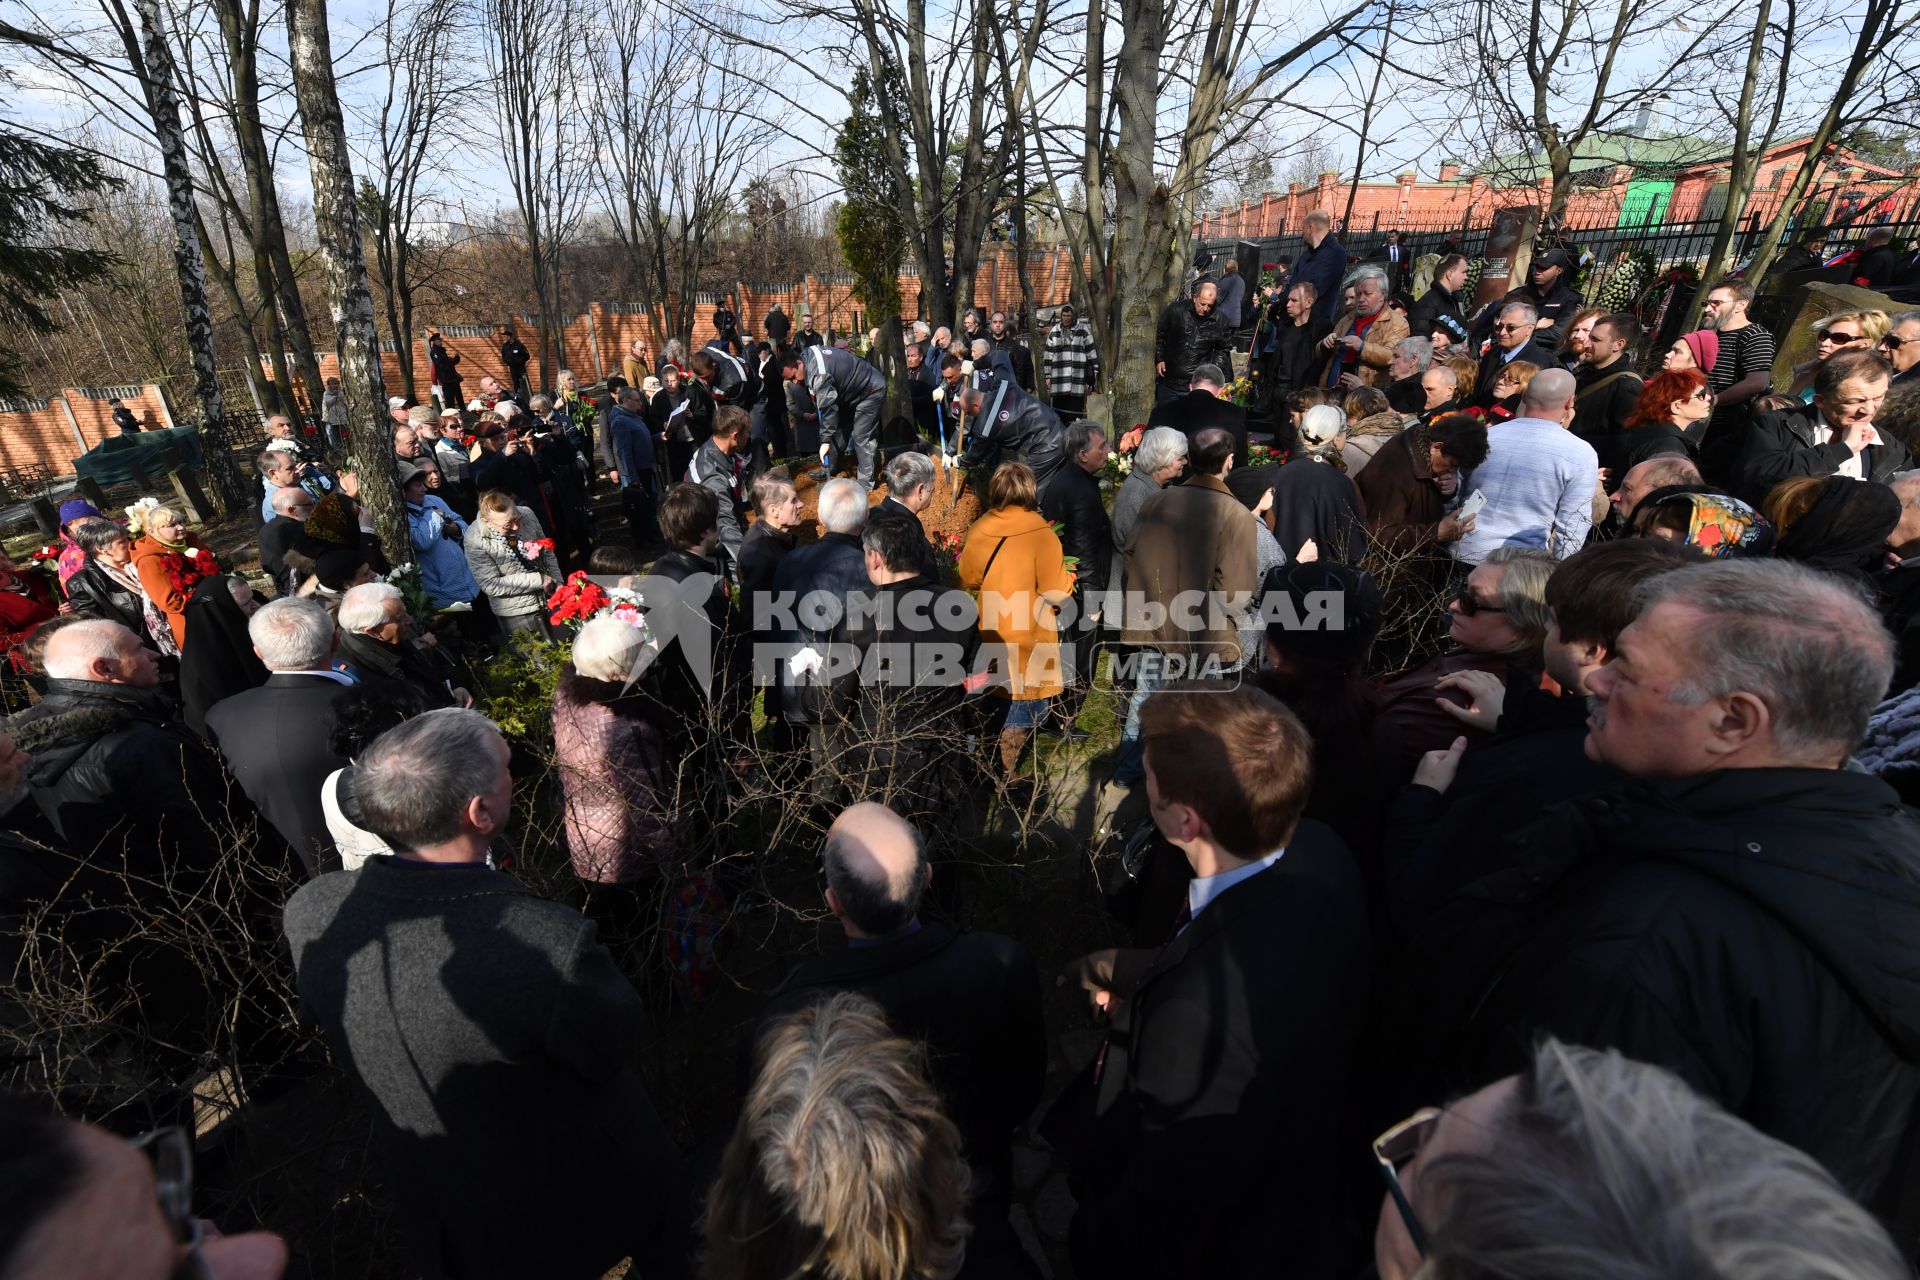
[[1513, 339], [1742, 371], [1902, 349], [1206, 1136], [1553, 301]]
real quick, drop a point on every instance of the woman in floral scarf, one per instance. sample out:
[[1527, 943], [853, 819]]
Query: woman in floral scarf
[[170, 562], [513, 562]]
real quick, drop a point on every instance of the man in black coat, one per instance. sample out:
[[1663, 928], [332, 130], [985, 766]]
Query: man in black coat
[[291, 506], [377, 641], [1072, 500], [494, 1034], [1221, 1054], [1191, 333], [1837, 438], [123, 417], [274, 738], [1607, 388], [972, 998], [1513, 339], [1734, 910], [1201, 407], [777, 327], [514, 354], [1553, 301], [114, 771], [1003, 338], [817, 581], [909, 492]]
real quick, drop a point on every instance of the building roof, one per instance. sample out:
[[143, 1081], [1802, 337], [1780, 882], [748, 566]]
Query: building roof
[[1667, 153]]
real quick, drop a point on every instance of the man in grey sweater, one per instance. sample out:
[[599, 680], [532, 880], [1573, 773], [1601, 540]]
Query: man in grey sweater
[[492, 1030]]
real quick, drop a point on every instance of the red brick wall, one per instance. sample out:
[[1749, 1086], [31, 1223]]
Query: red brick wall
[[44, 434]]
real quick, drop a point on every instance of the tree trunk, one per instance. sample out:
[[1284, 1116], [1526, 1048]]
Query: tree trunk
[[273, 270], [337, 221], [190, 269], [1142, 263], [1743, 168]]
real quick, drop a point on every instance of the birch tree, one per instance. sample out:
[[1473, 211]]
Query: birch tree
[[343, 258]]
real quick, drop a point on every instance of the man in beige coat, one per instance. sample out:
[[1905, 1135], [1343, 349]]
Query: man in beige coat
[[1190, 577], [1363, 338]]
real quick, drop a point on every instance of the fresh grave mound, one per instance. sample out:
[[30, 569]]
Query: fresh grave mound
[[945, 517]]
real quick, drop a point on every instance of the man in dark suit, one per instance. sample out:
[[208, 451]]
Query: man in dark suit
[[973, 998], [1072, 501], [1218, 1125], [274, 738], [1397, 260], [1201, 407], [1512, 340], [909, 492]]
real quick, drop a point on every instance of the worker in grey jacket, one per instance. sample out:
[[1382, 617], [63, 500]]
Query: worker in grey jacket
[[848, 394]]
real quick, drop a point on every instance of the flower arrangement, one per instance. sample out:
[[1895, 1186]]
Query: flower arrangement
[[576, 600], [1260, 455], [946, 555], [413, 593], [187, 567], [1120, 461], [1239, 391], [137, 516], [530, 549]]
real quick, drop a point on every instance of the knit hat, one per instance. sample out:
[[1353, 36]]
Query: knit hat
[[336, 566], [77, 509], [1705, 346], [1454, 329]]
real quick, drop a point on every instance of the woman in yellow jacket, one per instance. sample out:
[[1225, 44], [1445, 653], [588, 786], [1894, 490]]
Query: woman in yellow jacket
[[1013, 561]]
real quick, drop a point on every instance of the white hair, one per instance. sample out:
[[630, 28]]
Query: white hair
[[843, 505], [1160, 447], [365, 607], [1375, 276], [292, 634], [74, 648], [606, 649], [1320, 424]]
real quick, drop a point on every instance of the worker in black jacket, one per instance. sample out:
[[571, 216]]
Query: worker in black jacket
[[1072, 500], [1005, 424], [1553, 301], [514, 354], [1192, 333], [848, 393]]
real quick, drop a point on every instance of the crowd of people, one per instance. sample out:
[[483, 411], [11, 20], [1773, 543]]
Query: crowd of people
[[1592, 909]]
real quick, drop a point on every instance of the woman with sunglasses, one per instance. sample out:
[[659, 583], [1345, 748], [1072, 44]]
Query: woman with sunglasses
[[1666, 421], [1589, 1164], [1842, 331]]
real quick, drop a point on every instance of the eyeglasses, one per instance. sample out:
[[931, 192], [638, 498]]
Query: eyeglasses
[[1894, 342], [170, 1151], [1504, 327], [1470, 606], [1835, 335], [1395, 1148], [1704, 393]]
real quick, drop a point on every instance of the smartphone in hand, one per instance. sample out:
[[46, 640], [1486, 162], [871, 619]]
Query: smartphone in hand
[[1471, 507]]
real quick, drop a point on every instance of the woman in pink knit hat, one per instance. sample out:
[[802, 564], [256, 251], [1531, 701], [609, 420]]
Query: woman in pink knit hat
[[1696, 350]]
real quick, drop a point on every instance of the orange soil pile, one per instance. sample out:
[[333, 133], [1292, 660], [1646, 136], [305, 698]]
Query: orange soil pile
[[944, 516]]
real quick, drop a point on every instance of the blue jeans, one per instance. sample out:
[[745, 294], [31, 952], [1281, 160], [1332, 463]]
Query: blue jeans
[[1130, 766]]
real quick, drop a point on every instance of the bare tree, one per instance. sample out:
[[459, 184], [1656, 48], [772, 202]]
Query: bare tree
[[1552, 75], [1875, 80], [671, 147], [544, 134], [416, 45], [345, 262]]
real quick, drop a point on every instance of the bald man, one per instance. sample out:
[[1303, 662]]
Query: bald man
[[1538, 478], [974, 998]]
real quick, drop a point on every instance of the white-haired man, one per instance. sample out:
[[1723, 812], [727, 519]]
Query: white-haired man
[[378, 641], [1733, 915], [273, 738]]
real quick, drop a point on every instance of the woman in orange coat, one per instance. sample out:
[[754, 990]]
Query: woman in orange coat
[[1014, 561], [170, 561]]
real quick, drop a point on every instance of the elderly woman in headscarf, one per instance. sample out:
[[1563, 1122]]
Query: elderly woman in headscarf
[[1316, 508], [1834, 523], [1713, 524]]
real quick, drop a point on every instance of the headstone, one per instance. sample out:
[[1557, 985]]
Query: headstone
[[193, 498], [45, 516], [90, 489]]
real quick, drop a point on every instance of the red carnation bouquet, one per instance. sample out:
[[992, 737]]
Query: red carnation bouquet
[[186, 567], [576, 600]]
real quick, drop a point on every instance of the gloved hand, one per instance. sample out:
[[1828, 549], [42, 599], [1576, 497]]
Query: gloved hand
[[939, 394], [825, 449]]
